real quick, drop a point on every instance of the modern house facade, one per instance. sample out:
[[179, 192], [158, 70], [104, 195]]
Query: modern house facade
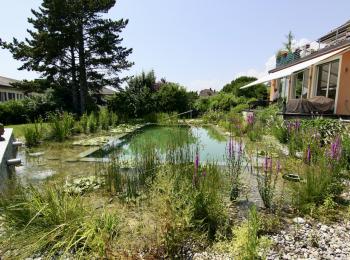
[[7, 91], [314, 79]]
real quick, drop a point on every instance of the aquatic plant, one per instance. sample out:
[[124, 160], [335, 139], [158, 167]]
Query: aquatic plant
[[92, 123], [61, 126], [34, 133], [104, 118]]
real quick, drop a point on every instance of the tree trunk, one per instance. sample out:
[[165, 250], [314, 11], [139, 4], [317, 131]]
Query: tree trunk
[[75, 87], [82, 70]]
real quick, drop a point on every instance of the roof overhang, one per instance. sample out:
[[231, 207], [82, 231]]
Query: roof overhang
[[300, 66]]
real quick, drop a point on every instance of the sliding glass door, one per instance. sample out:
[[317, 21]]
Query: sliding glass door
[[327, 79]]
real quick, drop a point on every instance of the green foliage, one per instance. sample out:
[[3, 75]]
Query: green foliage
[[27, 109], [92, 123], [144, 96], [84, 123], [267, 179], [239, 108], [51, 221], [319, 182], [328, 129], [78, 30], [34, 133], [259, 91], [61, 126], [183, 207], [104, 118], [246, 242], [172, 97]]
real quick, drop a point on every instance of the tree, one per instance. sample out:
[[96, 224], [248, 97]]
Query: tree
[[259, 91], [74, 47], [289, 43], [172, 97]]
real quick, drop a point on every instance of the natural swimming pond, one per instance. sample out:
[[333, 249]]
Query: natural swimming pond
[[208, 141]]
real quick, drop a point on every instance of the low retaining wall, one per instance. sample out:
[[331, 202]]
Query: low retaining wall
[[7, 151]]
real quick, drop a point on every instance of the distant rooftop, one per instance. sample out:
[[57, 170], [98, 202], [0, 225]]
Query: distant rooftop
[[6, 81]]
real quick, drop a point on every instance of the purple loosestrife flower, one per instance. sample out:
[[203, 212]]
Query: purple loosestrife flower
[[196, 166], [278, 167], [230, 147], [250, 118], [308, 154], [266, 164], [335, 150]]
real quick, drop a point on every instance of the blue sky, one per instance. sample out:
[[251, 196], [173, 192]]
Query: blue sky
[[197, 43]]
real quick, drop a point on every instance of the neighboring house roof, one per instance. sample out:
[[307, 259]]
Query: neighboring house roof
[[108, 90], [321, 52], [333, 33], [206, 92], [6, 81]]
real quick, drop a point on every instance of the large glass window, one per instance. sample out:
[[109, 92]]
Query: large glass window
[[328, 79], [300, 84]]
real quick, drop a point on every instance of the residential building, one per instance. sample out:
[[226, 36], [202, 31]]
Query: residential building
[[9, 92], [314, 79]]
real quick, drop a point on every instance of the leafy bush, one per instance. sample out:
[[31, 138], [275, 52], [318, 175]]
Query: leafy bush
[[326, 128], [51, 221], [26, 110], [239, 108]]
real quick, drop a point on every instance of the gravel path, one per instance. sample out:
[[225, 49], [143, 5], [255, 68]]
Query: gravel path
[[303, 240]]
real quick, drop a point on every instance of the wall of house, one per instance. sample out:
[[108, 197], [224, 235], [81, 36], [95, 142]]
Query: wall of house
[[343, 105], [9, 93], [272, 88]]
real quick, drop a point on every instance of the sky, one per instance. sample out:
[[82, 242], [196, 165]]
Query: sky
[[196, 43]]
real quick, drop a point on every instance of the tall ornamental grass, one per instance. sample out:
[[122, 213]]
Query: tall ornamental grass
[[51, 222], [34, 133], [61, 126]]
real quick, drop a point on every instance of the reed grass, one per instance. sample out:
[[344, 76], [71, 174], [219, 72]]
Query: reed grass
[[53, 223]]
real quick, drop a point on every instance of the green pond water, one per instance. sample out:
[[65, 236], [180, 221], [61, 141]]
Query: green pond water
[[210, 144]]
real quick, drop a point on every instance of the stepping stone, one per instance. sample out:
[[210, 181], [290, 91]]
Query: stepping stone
[[38, 154]]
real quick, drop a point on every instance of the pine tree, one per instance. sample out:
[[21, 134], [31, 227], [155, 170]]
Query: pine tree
[[74, 47]]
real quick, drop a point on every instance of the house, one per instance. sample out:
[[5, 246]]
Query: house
[[9, 92], [207, 92], [314, 79]]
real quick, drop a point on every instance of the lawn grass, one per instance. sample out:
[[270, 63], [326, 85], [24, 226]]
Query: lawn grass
[[18, 130]]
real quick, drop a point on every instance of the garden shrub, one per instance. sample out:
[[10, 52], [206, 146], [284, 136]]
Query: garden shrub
[[26, 110], [326, 128], [239, 108]]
